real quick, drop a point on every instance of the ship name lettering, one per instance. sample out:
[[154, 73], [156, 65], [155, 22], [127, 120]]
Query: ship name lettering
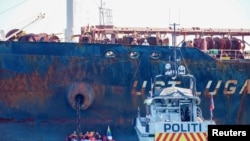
[[191, 127], [230, 87]]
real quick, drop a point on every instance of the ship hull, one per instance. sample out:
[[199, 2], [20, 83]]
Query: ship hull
[[38, 81]]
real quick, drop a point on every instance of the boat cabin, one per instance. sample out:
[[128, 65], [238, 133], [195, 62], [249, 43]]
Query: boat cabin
[[174, 110]]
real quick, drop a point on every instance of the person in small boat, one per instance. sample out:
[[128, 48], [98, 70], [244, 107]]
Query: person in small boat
[[97, 136], [91, 136], [82, 137], [68, 138], [73, 136], [86, 135]]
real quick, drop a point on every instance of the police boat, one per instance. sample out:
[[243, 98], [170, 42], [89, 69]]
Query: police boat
[[172, 109]]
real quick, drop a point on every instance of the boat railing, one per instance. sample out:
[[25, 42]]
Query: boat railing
[[228, 54], [143, 121], [199, 113]]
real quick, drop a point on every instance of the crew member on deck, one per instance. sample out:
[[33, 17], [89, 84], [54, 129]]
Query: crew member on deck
[[185, 114], [145, 43], [134, 42], [190, 43]]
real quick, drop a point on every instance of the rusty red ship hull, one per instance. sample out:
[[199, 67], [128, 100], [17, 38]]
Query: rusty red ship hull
[[39, 83]]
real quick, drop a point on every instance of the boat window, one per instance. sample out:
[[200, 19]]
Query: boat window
[[160, 102], [186, 111], [173, 103], [167, 81]]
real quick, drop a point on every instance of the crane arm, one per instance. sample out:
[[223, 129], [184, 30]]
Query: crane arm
[[39, 17]]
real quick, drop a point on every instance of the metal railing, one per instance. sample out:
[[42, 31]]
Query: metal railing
[[228, 54]]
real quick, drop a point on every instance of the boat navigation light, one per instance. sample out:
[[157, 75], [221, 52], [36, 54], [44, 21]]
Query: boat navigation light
[[167, 66], [181, 69], [168, 70]]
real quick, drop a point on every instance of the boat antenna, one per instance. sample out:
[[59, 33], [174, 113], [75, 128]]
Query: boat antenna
[[174, 45], [174, 25], [174, 40], [151, 93]]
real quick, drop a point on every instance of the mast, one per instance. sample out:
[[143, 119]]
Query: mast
[[174, 45], [105, 15], [101, 14]]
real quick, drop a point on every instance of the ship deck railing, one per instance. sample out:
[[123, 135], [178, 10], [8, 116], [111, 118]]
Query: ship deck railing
[[228, 54]]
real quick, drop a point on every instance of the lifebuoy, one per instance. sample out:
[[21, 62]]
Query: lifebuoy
[[81, 91]]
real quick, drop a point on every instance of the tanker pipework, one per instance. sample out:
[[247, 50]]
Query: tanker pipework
[[81, 92]]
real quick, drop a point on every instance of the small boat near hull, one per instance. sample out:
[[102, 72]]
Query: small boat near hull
[[172, 108]]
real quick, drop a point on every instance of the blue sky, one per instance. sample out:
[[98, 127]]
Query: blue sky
[[133, 13]]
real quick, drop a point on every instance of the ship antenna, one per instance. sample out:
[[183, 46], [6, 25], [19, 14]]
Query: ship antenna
[[105, 15], [174, 42], [101, 16]]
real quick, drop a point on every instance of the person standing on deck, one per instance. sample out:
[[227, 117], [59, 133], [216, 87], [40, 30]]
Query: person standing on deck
[[145, 43], [134, 42]]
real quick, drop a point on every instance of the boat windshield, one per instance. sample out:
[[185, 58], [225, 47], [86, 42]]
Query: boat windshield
[[183, 81]]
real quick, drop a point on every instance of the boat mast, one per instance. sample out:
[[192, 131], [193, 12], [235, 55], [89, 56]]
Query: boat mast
[[174, 41], [174, 45]]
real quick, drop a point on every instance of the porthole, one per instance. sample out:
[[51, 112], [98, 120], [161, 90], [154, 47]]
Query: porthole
[[155, 55], [134, 54], [110, 54]]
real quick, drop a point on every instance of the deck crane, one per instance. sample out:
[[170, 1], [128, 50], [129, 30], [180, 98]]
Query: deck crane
[[39, 17]]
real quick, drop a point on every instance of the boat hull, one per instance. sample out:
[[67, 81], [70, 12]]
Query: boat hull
[[37, 79]]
